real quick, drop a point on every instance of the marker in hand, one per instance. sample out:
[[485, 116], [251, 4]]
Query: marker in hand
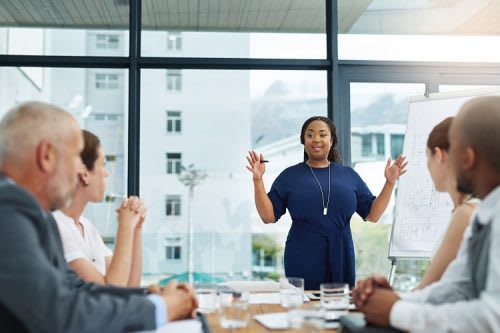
[[264, 161]]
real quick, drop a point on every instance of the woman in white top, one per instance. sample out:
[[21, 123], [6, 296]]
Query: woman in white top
[[444, 181], [84, 248]]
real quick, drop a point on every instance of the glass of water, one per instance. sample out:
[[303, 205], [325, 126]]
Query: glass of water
[[291, 292], [292, 297], [207, 297], [335, 296], [233, 309]]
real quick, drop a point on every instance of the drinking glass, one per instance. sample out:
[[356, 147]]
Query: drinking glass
[[292, 297], [335, 296], [233, 309], [207, 297]]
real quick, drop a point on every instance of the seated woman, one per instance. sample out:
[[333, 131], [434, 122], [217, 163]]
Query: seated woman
[[84, 249], [444, 181]]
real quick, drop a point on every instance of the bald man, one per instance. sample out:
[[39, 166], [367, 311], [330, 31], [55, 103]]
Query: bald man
[[40, 147], [467, 298]]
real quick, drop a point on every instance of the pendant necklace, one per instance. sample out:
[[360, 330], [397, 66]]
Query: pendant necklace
[[325, 207]]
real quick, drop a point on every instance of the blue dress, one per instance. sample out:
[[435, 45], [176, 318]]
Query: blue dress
[[319, 247]]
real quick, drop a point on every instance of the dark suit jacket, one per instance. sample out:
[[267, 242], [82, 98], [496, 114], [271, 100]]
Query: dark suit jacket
[[38, 290]]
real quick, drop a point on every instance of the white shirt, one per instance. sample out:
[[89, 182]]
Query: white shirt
[[413, 313], [90, 247]]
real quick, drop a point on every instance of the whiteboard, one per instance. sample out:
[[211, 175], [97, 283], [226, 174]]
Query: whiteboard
[[421, 213]]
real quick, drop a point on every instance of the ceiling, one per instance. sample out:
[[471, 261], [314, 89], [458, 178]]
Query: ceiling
[[455, 17]]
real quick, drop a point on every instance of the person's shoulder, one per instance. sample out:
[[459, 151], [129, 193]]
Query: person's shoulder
[[343, 169], [293, 169], [13, 196], [464, 210]]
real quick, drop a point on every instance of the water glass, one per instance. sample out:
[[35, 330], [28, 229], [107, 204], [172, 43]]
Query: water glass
[[335, 296], [207, 297], [233, 309], [291, 292]]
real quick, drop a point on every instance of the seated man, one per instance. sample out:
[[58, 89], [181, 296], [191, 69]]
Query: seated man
[[467, 298], [40, 149]]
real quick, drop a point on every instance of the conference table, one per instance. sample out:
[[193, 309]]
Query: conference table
[[256, 327]]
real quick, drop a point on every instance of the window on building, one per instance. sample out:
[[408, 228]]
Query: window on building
[[106, 81], [174, 79], [173, 252], [107, 42], [174, 163], [397, 141], [174, 41], [173, 205], [380, 144], [366, 145], [173, 121]]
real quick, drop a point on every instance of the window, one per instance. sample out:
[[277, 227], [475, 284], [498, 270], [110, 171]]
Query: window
[[106, 81], [174, 41], [380, 144], [174, 79], [173, 205], [397, 141], [173, 252], [173, 121], [366, 145], [174, 163], [104, 41]]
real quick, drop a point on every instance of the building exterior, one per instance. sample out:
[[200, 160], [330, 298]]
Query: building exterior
[[186, 118]]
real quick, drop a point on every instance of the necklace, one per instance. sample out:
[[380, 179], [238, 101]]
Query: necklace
[[325, 207]]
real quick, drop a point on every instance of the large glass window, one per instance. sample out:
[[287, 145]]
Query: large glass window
[[378, 123], [416, 30], [101, 112], [60, 27], [225, 113], [236, 29]]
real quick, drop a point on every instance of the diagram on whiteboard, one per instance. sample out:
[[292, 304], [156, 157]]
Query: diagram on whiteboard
[[422, 214]]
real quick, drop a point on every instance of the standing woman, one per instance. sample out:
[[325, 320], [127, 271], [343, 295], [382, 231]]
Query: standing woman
[[84, 248], [442, 176], [321, 195]]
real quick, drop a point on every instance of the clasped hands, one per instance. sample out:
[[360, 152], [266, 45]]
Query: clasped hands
[[375, 298], [132, 212], [179, 298]]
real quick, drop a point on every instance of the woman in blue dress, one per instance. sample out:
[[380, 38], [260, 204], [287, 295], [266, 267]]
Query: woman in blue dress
[[321, 195]]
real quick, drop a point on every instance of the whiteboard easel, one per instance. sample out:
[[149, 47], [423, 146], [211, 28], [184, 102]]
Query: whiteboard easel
[[422, 214]]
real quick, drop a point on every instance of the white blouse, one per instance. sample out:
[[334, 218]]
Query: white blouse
[[90, 246]]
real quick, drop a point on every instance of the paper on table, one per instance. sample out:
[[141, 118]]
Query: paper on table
[[180, 326]]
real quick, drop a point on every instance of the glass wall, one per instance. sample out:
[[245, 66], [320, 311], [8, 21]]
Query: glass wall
[[378, 123], [270, 29], [99, 108], [193, 179]]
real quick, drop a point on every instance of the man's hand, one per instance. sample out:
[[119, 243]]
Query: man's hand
[[377, 309], [365, 288], [180, 300]]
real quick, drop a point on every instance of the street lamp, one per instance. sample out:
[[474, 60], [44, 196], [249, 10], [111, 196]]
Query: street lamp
[[191, 178]]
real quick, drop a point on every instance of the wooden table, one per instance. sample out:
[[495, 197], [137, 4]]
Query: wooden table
[[256, 327]]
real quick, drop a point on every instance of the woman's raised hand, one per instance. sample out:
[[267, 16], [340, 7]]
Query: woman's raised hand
[[397, 169], [255, 164]]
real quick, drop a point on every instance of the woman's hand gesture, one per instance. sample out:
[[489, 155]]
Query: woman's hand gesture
[[256, 165], [397, 169]]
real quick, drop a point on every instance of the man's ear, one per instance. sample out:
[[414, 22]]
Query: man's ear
[[470, 158], [46, 156]]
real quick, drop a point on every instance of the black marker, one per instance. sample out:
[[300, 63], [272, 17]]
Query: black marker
[[264, 161]]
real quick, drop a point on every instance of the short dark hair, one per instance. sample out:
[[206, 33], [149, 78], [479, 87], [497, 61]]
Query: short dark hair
[[438, 137], [333, 154], [89, 152]]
